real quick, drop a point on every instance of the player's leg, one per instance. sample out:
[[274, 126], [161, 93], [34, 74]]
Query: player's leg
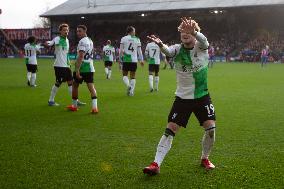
[[55, 87], [165, 143], [132, 68], [29, 74], [75, 93], [208, 140], [132, 82], [163, 148], [151, 77], [33, 75], [89, 79], [205, 113], [109, 70], [93, 93], [157, 78], [178, 117], [67, 77], [151, 80], [75, 87], [125, 69]]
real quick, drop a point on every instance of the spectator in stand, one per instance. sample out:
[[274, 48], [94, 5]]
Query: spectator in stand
[[264, 56]]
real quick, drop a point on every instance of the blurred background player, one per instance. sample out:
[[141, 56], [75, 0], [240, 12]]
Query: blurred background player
[[264, 56], [62, 66], [192, 96], [211, 52], [31, 50], [109, 58], [152, 53], [130, 45], [84, 69]]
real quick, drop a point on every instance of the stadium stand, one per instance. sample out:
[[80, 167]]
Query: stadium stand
[[238, 30]]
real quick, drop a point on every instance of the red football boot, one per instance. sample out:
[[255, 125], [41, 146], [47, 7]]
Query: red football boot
[[207, 164], [72, 108], [152, 169], [95, 111]]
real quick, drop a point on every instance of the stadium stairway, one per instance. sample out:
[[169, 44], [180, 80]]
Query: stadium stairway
[[15, 49]]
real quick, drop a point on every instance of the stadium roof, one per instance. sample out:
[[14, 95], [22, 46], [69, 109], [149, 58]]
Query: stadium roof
[[81, 7]]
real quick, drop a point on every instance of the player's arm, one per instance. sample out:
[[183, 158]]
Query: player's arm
[[164, 57], [169, 51], [147, 55], [121, 51], [140, 55], [50, 43], [79, 62], [38, 48]]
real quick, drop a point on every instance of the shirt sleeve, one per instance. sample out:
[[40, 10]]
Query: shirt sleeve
[[52, 42], [202, 41], [81, 46], [170, 51]]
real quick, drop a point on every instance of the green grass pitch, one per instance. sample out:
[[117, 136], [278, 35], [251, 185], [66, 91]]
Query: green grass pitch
[[49, 147]]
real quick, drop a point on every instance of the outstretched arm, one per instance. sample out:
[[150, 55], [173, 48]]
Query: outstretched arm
[[164, 48], [49, 43]]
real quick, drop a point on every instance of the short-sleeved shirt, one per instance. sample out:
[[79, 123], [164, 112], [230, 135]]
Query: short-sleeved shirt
[[30, 53], [86, 45], [153, 52], [130, 46], [61, 51], [108, 53]]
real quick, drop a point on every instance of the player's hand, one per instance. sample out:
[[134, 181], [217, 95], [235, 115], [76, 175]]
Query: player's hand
[[142, 63], [187, 26], [156, 40], [78, 75]]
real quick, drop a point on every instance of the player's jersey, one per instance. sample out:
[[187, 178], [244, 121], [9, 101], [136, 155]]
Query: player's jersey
[[61, 51], [109, 51], [30, 53], [130, 46], [86, 45], [191, 68], [153, 53]]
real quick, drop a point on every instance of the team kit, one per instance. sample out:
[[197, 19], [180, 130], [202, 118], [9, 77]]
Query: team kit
[[191, 64]]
